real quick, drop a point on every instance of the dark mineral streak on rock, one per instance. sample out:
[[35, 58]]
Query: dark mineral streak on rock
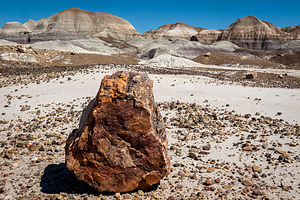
[[121, 143]]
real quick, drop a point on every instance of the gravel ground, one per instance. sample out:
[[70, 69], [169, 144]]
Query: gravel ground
[[218, 150]]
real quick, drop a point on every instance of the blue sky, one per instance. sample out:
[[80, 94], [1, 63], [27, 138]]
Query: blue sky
[[146, 15]]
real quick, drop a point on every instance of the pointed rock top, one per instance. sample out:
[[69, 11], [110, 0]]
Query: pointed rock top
[[251, 22]]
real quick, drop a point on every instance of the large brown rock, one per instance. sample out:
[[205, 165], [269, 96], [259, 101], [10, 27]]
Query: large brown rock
[[121, 143]]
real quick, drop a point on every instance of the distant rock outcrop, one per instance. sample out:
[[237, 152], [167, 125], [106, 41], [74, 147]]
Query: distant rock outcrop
[[69, 24], [13, 27], [252, 33], [14, 31], [174, 31], [293, 30], [152, 48], [121, 144], [290, 45], [30, 25], [208, 36]]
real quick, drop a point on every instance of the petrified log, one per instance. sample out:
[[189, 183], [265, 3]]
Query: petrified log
[[121, 143], [251, 74]]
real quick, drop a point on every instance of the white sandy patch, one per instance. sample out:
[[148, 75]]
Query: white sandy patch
[[267, 101], [289, 72], [95, 45], [169, 61], [88, 45], [7, 43], [241, 99], [58, 46], [179, 47], [21, 57]]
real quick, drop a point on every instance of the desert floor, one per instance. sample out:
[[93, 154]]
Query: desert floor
[[225, 140]]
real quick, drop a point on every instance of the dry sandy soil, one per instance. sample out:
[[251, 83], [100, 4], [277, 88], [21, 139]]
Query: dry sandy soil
[[11, 55], [228, 138]]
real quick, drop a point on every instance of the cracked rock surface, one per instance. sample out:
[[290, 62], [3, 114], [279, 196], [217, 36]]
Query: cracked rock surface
[[121, 144]]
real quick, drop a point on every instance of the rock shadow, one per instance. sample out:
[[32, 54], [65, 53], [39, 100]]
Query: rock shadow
[[57, 178]]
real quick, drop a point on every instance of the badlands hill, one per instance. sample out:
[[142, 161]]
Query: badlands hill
[[247, 32], [174, 31], [250, 32], [68, 24]]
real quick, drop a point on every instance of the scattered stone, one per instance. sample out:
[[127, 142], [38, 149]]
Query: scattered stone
[[25, 107], [247, 116], [171, 198], [278, 113], [58, 196], [118, 195], [188, 137], [251, 75], [247, 148], [140, 193], [256, 168], [208, 182], [21, 49], [207, 54], [210, 170], [247, 182]]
